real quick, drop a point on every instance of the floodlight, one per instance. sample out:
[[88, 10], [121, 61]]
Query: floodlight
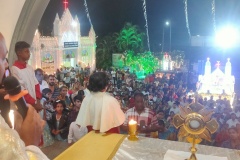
[[227, 37]]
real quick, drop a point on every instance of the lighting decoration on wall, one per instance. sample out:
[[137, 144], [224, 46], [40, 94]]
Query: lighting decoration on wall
[[145, 16], [65, 2], [186, 16], [86, 9]]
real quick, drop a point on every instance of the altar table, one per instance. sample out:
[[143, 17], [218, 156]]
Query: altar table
[[99, 146]]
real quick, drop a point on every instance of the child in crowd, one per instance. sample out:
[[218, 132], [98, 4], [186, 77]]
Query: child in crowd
[[59, 123], [47, 103], [46, 114], [74, 112]]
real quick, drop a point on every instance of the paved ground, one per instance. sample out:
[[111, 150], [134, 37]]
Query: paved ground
[[55, 149]]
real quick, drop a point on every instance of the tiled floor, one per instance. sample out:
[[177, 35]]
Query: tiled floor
[[54, 150]]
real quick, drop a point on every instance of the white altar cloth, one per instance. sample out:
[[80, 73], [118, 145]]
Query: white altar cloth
[[155, 149], [180, 155]]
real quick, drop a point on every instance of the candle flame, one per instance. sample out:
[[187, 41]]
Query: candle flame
[[11, 116], [132, 122]]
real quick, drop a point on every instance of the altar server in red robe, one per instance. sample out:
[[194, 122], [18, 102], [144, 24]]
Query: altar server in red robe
[[25, 75]]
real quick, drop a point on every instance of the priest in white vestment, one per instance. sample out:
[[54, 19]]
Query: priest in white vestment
[[100, 111], [20, 144]]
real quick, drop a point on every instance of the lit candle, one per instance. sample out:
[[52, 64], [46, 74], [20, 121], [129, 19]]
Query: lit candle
[[11, 117], [132, 127]]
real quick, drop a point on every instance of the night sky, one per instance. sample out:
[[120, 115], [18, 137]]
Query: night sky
[[110, 15]]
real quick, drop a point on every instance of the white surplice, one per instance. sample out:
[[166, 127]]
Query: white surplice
[[101, 111], [12, 147]]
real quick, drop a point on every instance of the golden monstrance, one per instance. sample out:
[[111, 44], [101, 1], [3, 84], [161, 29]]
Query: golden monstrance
[[195, 124]]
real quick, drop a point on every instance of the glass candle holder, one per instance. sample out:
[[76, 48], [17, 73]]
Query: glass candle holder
[[132, 128]]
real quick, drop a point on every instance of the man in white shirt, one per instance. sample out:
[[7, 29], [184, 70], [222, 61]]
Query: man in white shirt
[[113, 73], [72, 75], [191, 93], [170, 103], [76, 132], [233, 121], [175, 108], [41, 81]]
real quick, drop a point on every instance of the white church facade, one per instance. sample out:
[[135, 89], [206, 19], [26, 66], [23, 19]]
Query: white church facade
[[217, 83], [67, 48]]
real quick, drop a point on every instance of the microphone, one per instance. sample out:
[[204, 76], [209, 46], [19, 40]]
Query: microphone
[[15, 94]]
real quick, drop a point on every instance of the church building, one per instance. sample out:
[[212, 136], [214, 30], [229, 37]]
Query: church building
[[66, 48]]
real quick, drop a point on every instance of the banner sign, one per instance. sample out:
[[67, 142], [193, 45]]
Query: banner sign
[[70, 44], [117, 60]]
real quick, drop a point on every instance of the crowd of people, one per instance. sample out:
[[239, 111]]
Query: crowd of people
[[152, 102], [74, 102]]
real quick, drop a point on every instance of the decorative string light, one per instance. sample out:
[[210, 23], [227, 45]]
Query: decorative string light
[[86, 9], [186, 16], [214, 15], [145, 16]]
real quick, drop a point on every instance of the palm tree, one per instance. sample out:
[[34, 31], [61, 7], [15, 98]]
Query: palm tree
[[130, 38], [106, 47]]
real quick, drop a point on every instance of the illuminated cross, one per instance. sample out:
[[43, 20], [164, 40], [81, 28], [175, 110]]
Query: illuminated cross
[[65, 2], [218, 64]]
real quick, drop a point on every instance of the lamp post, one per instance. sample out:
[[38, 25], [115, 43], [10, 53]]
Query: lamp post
[[170, 35], [162, 39]]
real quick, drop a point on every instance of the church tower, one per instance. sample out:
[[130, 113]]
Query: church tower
[[56, 24]]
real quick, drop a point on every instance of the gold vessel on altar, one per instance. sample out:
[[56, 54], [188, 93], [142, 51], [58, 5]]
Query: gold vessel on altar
[[195, 124]]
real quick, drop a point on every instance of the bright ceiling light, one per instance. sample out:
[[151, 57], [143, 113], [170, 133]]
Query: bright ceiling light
[[227, 37]]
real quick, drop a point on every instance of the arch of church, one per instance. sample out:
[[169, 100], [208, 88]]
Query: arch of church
[[19, 20]]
